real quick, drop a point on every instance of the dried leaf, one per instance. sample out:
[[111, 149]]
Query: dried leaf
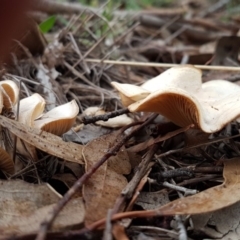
[[44, 141], [86, 134], [106, 184], [118, 232], [152, 200], [24, 206], [215, 225], [211, 199]]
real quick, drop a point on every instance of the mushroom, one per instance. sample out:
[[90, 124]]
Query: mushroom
[[179, 94], [8, 97], [10, 93], [58, 120], [31, 108]]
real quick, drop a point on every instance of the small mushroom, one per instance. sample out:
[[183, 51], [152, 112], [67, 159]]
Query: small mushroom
[[179, 95], [59, 120], [10, 93], [31, 108]]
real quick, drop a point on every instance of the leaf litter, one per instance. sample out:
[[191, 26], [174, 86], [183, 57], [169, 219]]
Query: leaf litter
[[108, 181], [178, 157]]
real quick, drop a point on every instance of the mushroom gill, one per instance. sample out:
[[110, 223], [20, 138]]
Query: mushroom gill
[[179, 95]]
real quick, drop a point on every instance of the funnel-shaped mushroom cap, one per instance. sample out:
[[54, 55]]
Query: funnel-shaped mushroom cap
[[31, 108], [10, 93], [59, 120], [179, 95]]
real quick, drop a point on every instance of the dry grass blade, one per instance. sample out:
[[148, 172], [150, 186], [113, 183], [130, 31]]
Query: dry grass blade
[[163, 65], [211, 199], [44, 141]]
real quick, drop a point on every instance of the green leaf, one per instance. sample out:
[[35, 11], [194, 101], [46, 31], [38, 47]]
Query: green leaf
[[47, 25]]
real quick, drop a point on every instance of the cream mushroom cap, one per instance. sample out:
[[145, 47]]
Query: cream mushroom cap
[[58, 120], [10, 93], [179, 95], [30, 108]]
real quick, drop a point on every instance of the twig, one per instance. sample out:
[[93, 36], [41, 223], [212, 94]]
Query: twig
[[213, 8], [163, 65], [156, 229], [47, 223], [179, 172], [142, 169], [104, 117], [182, 230], [186, 191], [53, 7], [107, 235]]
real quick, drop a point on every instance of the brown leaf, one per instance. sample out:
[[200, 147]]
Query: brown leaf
[[118, 232], [211, 199], [106, 184], [24, 206], [46, 142], [215, 225], [152, 200]]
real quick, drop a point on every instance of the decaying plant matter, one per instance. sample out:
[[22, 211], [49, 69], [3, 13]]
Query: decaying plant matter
[[98, 142]]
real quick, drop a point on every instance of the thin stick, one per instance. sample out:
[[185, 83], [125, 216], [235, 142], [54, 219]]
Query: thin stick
[[104, 117], [163, 65]]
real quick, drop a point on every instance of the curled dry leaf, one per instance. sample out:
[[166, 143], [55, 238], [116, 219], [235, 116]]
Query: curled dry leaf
[[211, 199], [179, 95], [105, 185], [24, 206], [215, 226], [115, 122], [58, 120], [45, 141]]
